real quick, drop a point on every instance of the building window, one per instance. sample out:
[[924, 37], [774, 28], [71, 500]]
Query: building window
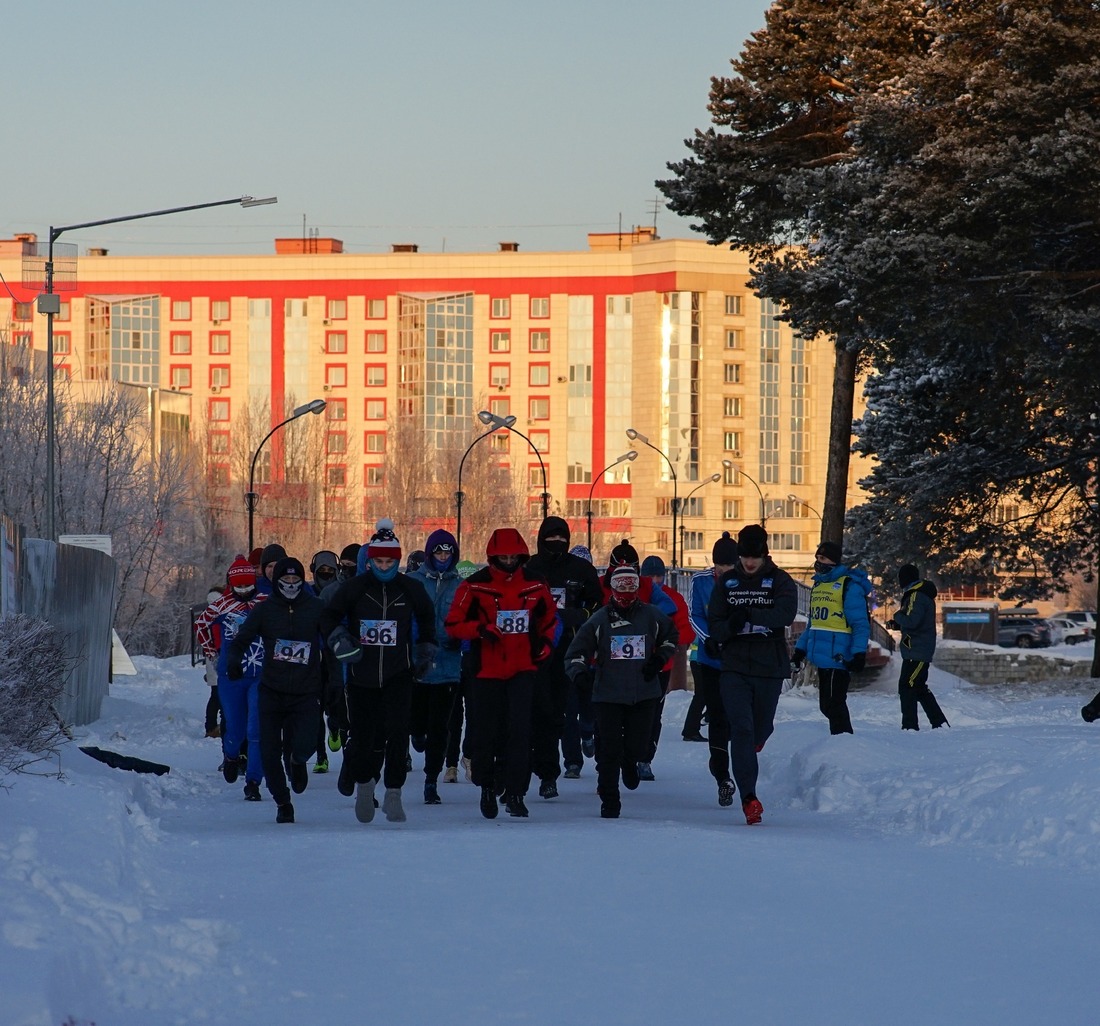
[[219, 343], [374, 441], [337, 477], [735, 338], [499, 407], [179, 377], [538, 409], [219, 377], [540, 306], [501, 308], [374, 477], [731, 509], [733, 306], [376, 342], [534, 475], [181, 343], [693, 540], [337, 442], [500, 375], [219, 410], [375, 409], [337, 409], [337, 309], [376, 374], [22, 339], [499, 441], [336, 375], [23, 311], [731, 441], [538, 375], [219, 475], [181, 309], [785, 542], [219, 441], [731, 406], [731, 373], [336, 342], [539, 342], [500, 341], [64, 312], [541, 441], [376, 309], [219, 310], [62, 344]]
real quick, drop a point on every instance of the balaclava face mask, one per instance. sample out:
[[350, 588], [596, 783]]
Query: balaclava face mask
[[244, 593], [290, 590]]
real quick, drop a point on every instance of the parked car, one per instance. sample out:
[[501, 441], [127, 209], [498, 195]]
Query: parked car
[[1085, 617], [1064, 631], [1023, 632]]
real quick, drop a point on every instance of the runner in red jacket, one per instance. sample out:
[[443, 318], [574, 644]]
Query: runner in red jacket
[[509, 617]]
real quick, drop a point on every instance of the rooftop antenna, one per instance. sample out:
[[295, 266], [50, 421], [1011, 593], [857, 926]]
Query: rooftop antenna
[[657, 204]]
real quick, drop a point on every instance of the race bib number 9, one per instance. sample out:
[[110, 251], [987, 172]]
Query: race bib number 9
[[292, 651], [628, 646], [513, 621], [559, 597], [378, 632]]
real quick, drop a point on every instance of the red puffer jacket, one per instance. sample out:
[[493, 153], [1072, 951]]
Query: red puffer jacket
[[508, 618]]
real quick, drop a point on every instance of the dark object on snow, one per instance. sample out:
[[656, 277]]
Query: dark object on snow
[[126, 762]]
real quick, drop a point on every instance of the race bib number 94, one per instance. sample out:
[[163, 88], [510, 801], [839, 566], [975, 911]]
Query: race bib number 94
[[628, 646], [292, 651], [378, 632], [513, 621]]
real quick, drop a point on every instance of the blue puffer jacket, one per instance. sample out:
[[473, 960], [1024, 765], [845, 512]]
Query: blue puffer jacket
[[702, 584], [831, 649], [441, 588]]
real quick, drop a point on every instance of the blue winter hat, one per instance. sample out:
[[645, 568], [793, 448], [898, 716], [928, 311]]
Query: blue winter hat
[[446, 540], [653, 566], [582, 551]]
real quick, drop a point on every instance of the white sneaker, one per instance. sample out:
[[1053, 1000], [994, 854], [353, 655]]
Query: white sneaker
[[364, 801], [450, 775], [467, 770], [391, 805]]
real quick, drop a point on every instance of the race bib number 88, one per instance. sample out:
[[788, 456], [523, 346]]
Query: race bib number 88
[[513, 621], [628, 646], [378, 632], [292, 651]]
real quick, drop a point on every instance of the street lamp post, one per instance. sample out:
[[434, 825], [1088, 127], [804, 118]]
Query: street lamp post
[[50, 304], [802, 502], [626, 456], [639, 437], [497, 423], [763, 518], [250, 496], [542, 466], [687, 499]]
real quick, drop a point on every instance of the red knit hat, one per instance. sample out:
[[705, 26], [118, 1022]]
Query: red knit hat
[[384, 542], [242, 574]]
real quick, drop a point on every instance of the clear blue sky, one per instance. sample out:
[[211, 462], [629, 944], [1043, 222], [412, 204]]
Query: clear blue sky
[[450, 125]]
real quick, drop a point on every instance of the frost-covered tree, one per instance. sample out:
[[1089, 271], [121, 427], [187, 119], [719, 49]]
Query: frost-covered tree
[[783, 115]]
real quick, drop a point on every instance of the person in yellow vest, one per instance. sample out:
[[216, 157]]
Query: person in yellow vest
[[835, 640]]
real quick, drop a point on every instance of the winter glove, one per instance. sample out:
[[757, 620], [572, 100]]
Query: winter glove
[[582, 681], [1090, 713], [344, 646], [490, 633], [423, 658], [234, 671], [652, 666], [797, 659], [736, 620], [857, 662], [712, 648], [893, 625], [541, 650]]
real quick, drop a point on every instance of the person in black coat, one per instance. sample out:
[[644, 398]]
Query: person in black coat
[[288, 623]]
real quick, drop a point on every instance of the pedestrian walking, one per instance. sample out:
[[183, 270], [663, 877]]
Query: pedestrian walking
[[916, 619]]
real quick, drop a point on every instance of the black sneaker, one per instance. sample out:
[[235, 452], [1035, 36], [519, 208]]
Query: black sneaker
[[418, 741], [285, 814], [696, 736], [489, 802], [548, 789], [726, 791], [645, 771], [610, 805], [231, 769], [431, 793], [588, 747], [572, 772], [299, 777], [630, 775], [514, 804], [252, 791], [345, 784]]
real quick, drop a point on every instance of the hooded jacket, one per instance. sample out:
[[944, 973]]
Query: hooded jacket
[[290, 631], [489, 597], [441, 585], [830, 642], [917, 620], [749, 615], [574, 582]]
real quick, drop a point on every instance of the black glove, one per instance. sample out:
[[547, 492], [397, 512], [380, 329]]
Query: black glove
[[712, 648], [652, 666], [857, 662], [344, 646], [797, 659], [491, 633], [234, 671], [1090, 713], [893, 625], [423, 658], [582, 681], [736, 620]]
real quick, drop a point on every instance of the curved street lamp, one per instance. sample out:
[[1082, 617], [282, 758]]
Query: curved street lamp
[[687, 498], [763, 518], [251, 496], [802, 502], [498, 423], [626, 456], [50, 304], [534, 448], [639, 437]]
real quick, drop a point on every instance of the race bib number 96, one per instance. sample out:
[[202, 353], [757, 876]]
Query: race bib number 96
[[378, 632], [292, 651], [628, 646], [513, 621]]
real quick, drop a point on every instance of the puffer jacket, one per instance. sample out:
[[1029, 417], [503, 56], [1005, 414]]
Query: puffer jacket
[[917, 620], [830, 643], [441, 589], [702, 587]]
